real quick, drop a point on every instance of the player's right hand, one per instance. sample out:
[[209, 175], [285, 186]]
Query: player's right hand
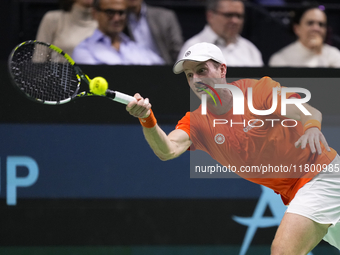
[[139, 108]]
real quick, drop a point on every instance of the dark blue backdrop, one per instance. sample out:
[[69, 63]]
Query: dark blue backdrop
[[109, 161]]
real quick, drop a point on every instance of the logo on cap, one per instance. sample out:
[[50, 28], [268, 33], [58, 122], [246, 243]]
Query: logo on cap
[[187, 53]]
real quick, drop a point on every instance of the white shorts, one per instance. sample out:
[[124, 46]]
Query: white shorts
[[319, 200]]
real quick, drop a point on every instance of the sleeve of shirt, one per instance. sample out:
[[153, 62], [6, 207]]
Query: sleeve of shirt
[[335, 58], [257, 56], [48, 27], [152, 58], [136, 54], [82, 55], [259, 61], [276, 61], [184, 124], [263, 95]]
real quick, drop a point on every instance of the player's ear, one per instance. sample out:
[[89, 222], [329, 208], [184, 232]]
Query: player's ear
[[223, 69]]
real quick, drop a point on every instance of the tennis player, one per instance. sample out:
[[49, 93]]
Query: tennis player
[[313, 198]]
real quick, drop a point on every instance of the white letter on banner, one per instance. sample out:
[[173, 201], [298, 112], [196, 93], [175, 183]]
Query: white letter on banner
[[238, 98], [13, 181]]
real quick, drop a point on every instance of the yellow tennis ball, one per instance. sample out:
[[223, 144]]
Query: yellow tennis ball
[[98, 86]]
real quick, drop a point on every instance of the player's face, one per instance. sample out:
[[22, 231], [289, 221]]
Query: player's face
[[312, 26], [227, 21], [201, 74], [111, 17]]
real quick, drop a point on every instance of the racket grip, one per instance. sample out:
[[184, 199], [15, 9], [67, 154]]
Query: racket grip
[[119, 97]]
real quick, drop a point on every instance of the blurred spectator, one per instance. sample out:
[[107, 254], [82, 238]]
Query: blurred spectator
[[108, 45], [310, 50], [67, 27], [225, 22], [155, 28]]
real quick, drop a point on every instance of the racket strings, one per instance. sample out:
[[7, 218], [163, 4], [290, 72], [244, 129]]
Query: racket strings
[[43, 73]]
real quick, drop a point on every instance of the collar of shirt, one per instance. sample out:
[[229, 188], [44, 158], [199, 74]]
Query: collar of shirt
[[217, 40], [100, 36], [133, 17]]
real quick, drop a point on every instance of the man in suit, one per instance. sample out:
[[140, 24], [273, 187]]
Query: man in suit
[[155, 28]]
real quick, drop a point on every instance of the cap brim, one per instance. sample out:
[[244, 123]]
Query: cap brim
[[178, 66]]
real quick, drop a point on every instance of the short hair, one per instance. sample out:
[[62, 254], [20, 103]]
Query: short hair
[[300, 12], [213, 4], [66, 5], [96, 4], [215, 63]]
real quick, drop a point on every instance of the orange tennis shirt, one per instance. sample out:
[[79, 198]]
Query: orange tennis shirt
[[269, 144]]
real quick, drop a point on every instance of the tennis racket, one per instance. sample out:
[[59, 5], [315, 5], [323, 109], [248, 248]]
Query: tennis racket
[[46, 74]]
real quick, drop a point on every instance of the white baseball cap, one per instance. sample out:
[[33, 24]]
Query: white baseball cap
[[200, 52]]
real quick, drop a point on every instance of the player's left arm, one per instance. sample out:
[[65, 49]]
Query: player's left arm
[[312, 126]]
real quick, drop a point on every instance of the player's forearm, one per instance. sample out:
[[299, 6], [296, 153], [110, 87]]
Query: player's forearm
[[315, 115], [164, 146], [160, 143], [295, 113]]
